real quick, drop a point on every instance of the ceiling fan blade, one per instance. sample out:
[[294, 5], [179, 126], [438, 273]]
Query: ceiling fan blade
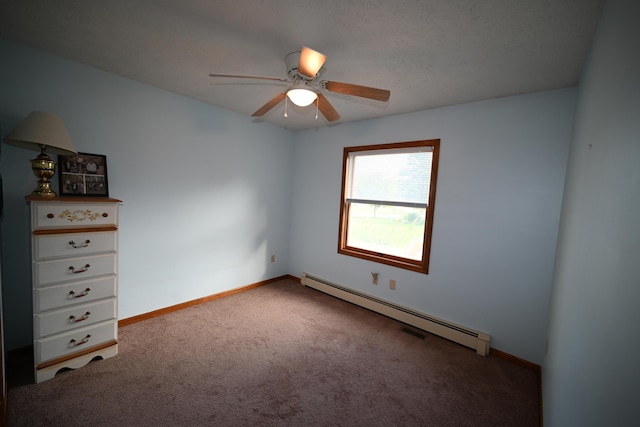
[[327, 109], [269, 105], [310, 62], [242, 76], [357, 90]]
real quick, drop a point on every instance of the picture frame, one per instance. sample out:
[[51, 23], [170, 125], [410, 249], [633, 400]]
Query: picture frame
[[83, 175]]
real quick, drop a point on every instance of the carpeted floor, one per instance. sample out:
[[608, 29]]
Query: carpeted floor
[[279, 355]]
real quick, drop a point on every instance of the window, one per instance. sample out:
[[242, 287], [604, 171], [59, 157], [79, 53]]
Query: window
[[386, 211]]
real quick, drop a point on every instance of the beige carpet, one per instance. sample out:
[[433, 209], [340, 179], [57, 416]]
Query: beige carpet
[[280, 355]]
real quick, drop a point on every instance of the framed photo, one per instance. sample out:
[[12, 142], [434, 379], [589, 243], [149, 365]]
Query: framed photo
[[83, 175]]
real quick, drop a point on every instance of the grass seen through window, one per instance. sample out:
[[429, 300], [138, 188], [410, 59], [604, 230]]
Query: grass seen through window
[[398, 231]]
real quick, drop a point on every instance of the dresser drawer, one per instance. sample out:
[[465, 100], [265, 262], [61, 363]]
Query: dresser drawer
[[68, 294], [74, 341], [81, 268], [73, 244], [70, 215], [53, 322]]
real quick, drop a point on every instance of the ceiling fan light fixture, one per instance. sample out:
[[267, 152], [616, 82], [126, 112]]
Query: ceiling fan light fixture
[[302, 97]]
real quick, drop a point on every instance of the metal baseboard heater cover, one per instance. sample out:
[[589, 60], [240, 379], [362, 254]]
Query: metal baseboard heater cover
[[478, 341]]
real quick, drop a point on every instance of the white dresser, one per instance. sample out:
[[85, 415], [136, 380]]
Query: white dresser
[[75, 281]]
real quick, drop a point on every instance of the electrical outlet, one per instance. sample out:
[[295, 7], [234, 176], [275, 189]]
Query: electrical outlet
[[392, 284], [273, 258], [374, 278]]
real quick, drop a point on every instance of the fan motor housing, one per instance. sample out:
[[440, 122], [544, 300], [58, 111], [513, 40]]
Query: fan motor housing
[[291, 61]]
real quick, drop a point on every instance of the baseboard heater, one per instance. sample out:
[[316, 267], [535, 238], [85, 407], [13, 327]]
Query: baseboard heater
[[476, 340]]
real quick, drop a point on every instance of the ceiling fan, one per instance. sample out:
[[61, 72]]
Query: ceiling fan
[[305, 87]]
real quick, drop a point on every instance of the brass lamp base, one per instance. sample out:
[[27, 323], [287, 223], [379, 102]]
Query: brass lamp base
[[44, 168]]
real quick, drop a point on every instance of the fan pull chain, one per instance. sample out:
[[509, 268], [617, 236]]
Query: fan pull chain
[[286, 103], [317, 106]]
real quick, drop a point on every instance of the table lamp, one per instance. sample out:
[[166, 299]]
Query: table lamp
[[41, 131]]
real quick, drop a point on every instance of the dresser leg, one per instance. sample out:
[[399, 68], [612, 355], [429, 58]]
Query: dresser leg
[[49, 372]]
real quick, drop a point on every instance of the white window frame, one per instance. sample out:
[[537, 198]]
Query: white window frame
[[421, 265]]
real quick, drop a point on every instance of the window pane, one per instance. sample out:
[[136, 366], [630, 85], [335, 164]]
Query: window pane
[[398, 177], [390, 230]]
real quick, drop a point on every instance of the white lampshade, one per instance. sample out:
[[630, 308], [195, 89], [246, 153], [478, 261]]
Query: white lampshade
[[42, 129], [302, 97]]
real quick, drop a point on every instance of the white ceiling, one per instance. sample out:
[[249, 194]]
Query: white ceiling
[[428, 53]]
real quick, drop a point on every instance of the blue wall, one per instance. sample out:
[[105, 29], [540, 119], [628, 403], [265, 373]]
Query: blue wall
[[499, 192], [591, 375], [206, 193]]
